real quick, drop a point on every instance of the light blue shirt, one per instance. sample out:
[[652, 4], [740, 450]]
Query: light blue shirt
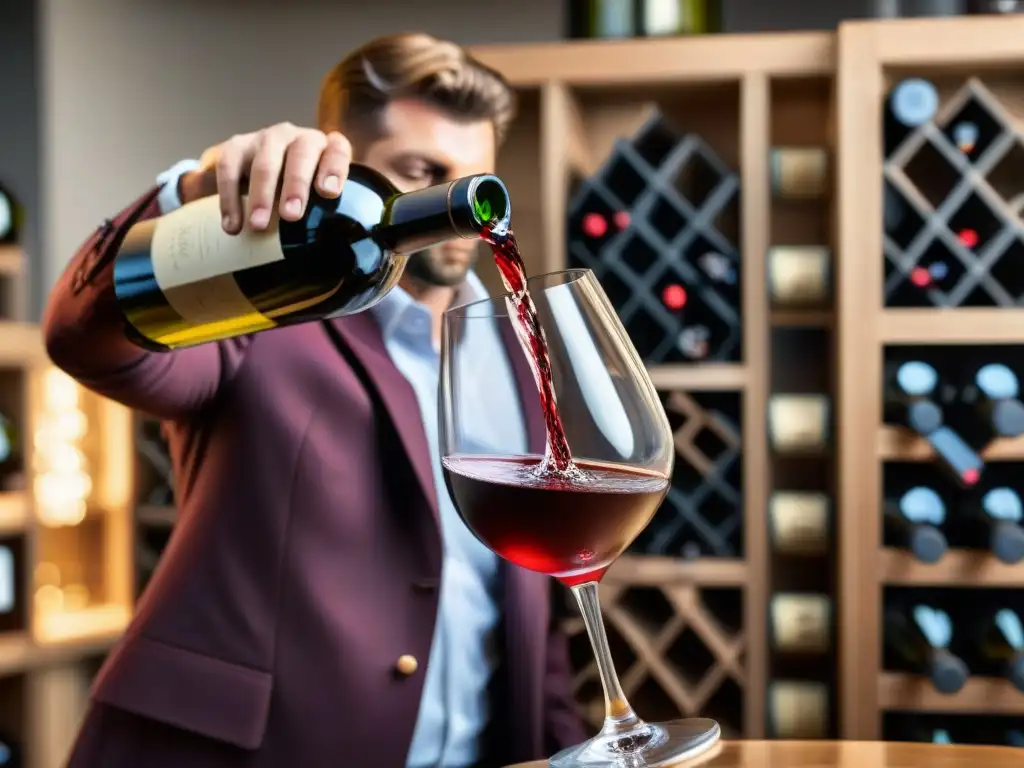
[[454, 710]]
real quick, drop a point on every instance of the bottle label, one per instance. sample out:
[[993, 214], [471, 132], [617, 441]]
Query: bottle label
[[799, 710], [798, 274], [194, 262], [801, 623], [799, 172], [799, 522], [798, 422]]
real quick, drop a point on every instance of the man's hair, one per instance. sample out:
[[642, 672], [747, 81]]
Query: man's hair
[[414, 65]]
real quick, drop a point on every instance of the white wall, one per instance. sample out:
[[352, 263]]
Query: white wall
[[130, 86]]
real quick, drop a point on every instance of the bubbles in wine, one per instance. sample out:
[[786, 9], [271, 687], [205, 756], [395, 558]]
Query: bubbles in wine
[[521, 472]]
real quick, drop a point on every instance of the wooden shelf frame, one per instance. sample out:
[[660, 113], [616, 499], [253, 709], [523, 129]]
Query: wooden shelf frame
[[868, 54], [562, 74]]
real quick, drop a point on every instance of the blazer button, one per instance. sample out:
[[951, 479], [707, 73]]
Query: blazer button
[[406, 665]]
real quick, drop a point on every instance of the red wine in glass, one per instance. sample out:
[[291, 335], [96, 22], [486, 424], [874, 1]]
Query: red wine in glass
[[570, 527], [569, 515]]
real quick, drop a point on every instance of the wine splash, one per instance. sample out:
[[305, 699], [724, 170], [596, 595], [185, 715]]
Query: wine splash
[[557, 456]]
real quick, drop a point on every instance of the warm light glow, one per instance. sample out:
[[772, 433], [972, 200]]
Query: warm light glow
[[81, 461], [102, 620], [62, 483]]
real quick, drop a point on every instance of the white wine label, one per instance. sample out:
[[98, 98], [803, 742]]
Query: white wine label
[[799, 172], [800, 623], [662, 17], [7, 580], [798, 710], [799, 522], [798, 274], [798, 422], [194, 260]]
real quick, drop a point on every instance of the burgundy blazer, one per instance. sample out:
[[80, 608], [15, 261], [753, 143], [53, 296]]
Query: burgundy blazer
[[306, 559]]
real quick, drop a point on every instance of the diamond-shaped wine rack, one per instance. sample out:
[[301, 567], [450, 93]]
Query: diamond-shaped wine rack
[[647, 224], [953, 229], [678, 649], [702, 514], [155, 503]]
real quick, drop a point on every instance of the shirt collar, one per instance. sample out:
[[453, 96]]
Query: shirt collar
[[398, 304]]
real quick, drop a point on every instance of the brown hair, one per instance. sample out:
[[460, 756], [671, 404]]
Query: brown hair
[[413, 65]]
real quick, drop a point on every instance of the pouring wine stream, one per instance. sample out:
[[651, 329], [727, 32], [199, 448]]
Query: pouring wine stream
[[557, 456]]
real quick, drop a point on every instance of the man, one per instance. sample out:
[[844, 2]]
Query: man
[[295, 609]]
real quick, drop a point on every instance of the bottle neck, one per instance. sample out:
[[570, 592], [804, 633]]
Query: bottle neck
[[463, 208]]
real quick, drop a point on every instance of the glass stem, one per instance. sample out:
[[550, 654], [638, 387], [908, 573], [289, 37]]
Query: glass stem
[[619, 717]]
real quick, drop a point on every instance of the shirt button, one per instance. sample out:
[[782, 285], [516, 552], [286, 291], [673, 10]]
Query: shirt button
[[406, 665]]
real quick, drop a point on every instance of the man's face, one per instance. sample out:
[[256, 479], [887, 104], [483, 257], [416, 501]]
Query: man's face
[[421, 145]]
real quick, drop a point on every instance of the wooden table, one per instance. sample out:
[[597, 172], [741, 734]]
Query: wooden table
[[846, 754]]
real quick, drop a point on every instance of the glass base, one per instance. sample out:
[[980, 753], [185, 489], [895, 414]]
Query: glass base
[[649, 745]]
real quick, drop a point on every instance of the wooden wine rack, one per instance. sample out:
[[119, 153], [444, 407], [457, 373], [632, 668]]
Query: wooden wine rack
[[679, 134], [968, 60], [70, 554], [690, 624]]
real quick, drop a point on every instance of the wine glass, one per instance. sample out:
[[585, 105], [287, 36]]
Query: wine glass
[[569, 524]]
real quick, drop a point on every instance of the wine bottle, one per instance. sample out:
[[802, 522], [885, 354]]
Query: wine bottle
[[801, 623], [1000, 646], [998, 522], [797, 710], [799, 275], [660, 18], [911, 393], [10, 217], [10, 752], [993, 395], [995, 6], [799, 173], [1015, 737], [181, 281], [911, 104], [603, 18], [919, 637], [799, 522], [11, 479], [798, 422], [913, 519], [893, 9]]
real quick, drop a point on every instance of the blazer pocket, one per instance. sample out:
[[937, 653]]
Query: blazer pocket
[[188, 690]]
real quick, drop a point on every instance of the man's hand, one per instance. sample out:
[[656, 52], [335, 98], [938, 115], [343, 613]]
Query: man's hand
[[284, 156]]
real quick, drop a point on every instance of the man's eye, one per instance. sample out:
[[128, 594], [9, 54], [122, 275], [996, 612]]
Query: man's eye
[[416, 174]]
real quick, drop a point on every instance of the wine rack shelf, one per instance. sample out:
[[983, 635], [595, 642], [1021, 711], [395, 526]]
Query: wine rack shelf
[[979, 695], [894, 444], [956, 568], [729, 192], [64, 560], [656, 173], [929, 119]]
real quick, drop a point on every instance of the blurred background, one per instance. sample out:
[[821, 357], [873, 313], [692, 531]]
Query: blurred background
[[813, 238]]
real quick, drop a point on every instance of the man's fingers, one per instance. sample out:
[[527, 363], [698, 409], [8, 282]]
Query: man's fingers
[[334, 164]]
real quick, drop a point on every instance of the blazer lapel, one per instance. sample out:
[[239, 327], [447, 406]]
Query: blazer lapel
[[361, 334]]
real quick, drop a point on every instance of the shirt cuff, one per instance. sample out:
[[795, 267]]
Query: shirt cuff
[[168, 199]]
